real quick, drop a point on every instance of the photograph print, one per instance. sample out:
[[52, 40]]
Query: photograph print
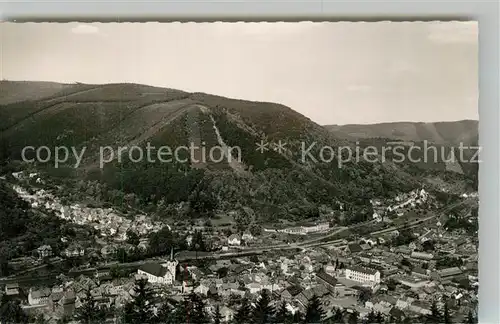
[[306, 172]]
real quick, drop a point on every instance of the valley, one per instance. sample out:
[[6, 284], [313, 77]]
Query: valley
[[108, 215]]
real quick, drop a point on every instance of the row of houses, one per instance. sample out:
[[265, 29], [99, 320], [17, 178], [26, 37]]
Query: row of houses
[[301, 230]]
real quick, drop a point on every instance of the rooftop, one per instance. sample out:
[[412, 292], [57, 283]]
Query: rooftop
[[294, 290], [155, 269], [362, 269], [327, 278], [449, 272], [354, 247], [40, 293]]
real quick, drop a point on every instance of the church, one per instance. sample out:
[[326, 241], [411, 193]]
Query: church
[[160, 273]]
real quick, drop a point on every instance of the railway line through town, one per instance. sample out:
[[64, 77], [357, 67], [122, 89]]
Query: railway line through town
[[183, 258]]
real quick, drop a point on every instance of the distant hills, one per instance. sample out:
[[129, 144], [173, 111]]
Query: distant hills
[[273, 183], [446, 133], [444, 136]]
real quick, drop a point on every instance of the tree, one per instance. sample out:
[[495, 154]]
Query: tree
[[471, 319], [365, 295], [448, 262], [222, 272], [255, 229], [282, 314], [435, 316], [180, 314], [198, 315], [446, 314], [121, 255], [314, 312], [40, 319], [405, 262], [428, 246], [371, 317], [254, 259], [11, 312], [165, 313], [4, 267], [353, 317], [216, 316], [263, 311], [374, 317], [391, 284], [140, 309], [64, 320], [198, 242], [161, 242], [338, 315], [297, 317], [243, 313], [89, 312], [132, 237]]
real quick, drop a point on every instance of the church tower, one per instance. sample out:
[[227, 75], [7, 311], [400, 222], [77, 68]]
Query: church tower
[[171, 266]]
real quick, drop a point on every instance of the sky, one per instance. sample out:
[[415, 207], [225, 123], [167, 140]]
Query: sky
[[333, 73]]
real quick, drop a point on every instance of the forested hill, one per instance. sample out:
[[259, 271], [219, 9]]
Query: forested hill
[[270, 184], [23, 229], [444, 133]]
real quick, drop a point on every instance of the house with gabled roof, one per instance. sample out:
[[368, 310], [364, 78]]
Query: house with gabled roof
[[160, 273], [39, 296], [327, 280], [234, 239], [291, 292], [354, 248]]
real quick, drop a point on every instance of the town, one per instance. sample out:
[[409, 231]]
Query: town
[[390, 268], [308, 172]]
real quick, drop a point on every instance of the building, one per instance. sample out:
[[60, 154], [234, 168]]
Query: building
[[419, 272], [302, 230], [66, 306], [291, 292], [419, 307], [202, 289], [421, 256], [39, 296], [377, 217], [254, 287], [160, 273], [449, 273], [44, 251], [196, 273], [415, 283], [330, 269], [227, 313], [12, 289], [234, 239], [247, 236], [74, 251], [354, 248], [327, 280], [55, 298], [293, 230], [306, 295], [317, 228], [364, 275]]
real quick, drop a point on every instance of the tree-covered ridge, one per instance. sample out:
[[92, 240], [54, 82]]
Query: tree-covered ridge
[[23, 229], [273, 184]]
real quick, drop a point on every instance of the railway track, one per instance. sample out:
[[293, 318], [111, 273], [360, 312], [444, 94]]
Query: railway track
[[247, 252]]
